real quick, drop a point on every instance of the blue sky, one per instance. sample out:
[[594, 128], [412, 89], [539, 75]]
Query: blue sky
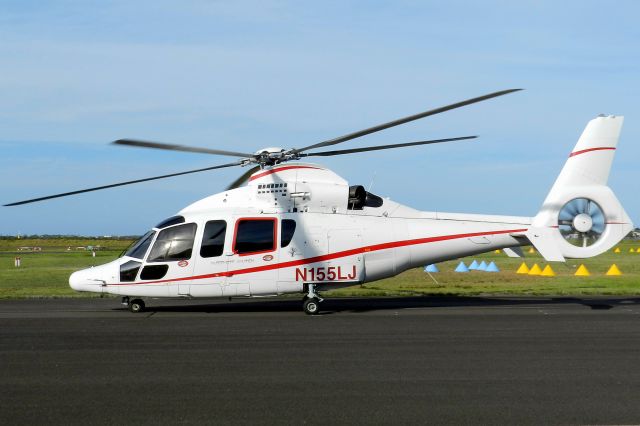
[[75, 75]]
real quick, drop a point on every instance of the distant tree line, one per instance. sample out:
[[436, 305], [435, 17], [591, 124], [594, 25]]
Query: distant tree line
[[635, 234], [68, 237]]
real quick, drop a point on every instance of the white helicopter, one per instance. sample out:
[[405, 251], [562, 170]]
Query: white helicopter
[[301, 228]]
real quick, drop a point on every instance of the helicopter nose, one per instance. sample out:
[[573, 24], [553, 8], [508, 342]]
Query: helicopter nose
[[78, 281], [85, 280], [95, 278]]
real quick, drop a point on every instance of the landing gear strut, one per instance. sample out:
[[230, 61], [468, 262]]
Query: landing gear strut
[[311, 305]]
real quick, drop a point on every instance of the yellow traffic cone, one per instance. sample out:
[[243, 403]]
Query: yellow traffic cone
[[531, 250], [582, 271], [535, 270], [523, 269], [548, 272], [497, 252], [617, 250], [614, 270], [631, 250]]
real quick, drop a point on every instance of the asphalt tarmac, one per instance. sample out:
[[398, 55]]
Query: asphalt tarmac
[[363, 361]]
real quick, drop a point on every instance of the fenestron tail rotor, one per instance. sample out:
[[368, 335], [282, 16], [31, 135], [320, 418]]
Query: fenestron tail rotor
[[581, 221], [271, 156]]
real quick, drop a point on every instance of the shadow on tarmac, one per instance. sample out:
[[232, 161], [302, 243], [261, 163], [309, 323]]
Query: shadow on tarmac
[[388, 303]]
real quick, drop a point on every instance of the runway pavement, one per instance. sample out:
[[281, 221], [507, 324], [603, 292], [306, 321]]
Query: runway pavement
[[364, 361]]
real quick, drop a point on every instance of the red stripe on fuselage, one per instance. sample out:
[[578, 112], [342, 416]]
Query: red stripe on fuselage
[[604, 148], [330, 256], [279, 169]]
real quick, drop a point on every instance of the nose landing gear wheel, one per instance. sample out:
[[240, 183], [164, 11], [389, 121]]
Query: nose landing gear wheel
[[311, 306], [136, 305]]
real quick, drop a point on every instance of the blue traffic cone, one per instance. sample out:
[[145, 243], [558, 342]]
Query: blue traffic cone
[[493, 267], [482, 266], [431, 268], [473, 266], [462, 267]]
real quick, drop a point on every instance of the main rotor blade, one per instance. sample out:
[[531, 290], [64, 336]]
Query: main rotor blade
[[404, 120], [121, 184], [375, 148], [236, 183], [173, 147]]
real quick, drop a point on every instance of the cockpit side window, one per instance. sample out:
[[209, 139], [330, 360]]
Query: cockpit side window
[[129, 270], [213, 238], [287, 229], [139, 249], [175, 243]]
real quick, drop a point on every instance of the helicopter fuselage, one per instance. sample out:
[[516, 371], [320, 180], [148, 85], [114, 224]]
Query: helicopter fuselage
[[292, 226]]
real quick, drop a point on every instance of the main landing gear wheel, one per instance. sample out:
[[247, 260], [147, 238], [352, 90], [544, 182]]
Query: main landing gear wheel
[[136, 305], [311, 306]]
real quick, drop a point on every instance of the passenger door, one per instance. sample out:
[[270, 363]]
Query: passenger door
[[252, 253], [211, 262]]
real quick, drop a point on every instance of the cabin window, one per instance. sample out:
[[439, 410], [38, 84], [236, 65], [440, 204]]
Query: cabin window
[[213, 238], [255, 236], [173, 220], [174, 243], [129, 270], [139, 249], [288, 228]]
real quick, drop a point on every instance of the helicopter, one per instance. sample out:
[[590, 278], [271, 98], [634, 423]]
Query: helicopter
[[299, 227]]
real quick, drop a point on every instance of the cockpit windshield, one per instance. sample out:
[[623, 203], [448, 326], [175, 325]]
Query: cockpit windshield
[[173, 220], [175, 243], [140, 247]]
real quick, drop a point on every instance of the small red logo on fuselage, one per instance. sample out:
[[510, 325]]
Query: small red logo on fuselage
[[267, 257], [183, 263]]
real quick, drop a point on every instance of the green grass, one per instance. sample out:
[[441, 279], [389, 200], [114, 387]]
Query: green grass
[[46, 274], [507, 282]]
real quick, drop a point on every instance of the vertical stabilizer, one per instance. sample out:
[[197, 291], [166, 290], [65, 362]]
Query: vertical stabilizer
[[581, 216], [590, 161]]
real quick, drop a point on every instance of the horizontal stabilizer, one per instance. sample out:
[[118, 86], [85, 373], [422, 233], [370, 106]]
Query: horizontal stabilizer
[[544, 240]]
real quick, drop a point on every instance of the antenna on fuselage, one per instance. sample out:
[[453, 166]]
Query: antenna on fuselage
[[373, 178]]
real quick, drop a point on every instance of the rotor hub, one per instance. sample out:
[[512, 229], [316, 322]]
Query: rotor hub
[[582, 222], [270, 150], [271, 156]]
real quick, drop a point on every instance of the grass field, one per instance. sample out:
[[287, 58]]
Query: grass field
[[507, 282], [46, 274]]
